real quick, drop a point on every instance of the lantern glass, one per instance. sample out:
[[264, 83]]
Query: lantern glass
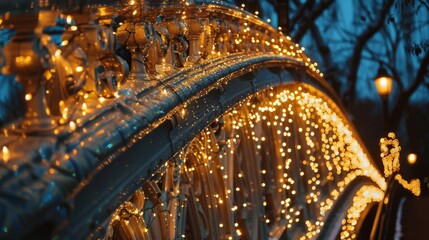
[[383, 85]]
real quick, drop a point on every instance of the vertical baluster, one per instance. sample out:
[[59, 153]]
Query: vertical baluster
[[28, 58], [136, 34], [196, 28]]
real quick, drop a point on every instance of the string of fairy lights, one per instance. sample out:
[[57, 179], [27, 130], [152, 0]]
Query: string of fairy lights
[[276, 162], [390, 150], [390, 154], [221, 35], [284, 155], [364, 196]]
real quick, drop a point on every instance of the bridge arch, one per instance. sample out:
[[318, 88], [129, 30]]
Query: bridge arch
[[250, 144]]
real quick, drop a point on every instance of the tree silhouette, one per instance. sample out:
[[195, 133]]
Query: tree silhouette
[[350, 40]]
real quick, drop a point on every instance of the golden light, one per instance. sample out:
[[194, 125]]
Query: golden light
[[72, 125], [28, 96], [79, 69], [64, 43], [383, 83], [69, 19], [5, 150], [390, 152], [283, 111], [6, 153], [413, 185], [23, 60], [412, 158]]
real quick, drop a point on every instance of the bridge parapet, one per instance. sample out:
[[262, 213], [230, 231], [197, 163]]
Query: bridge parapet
[[98, 127], [71, 56]]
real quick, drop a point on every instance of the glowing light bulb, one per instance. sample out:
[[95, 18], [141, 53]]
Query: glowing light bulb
[[28, 96], [69, 19], [6, 154], [412, 158], [72, 125], [79, 69]]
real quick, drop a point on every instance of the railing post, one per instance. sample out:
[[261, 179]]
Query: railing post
[[157, 50], [93, 40], [136, 34], [196, 27], [177, 29], [116, 68], [28, 58]]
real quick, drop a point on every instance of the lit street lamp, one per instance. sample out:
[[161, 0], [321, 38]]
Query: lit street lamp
[[383, 83]]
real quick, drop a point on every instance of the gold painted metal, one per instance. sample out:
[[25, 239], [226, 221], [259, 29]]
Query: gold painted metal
[[67, 76], [254, 173], [127, 222], [273, 166], [93, 39], [157, 49], [136, 34], [209, 34], [27, 56], [196, 27], [162, 37], [177, 29], [115, 68]]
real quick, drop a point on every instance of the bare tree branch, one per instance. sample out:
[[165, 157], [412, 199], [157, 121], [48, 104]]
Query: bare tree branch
[[300, 13], [309, 21], [424, 4], [325, 53], [402, 103], [363, 6], [362, 40], [395, 47]]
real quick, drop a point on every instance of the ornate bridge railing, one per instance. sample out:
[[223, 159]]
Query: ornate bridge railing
[[223, 129]]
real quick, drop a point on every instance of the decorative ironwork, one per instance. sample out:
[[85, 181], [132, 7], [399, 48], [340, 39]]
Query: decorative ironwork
[[69, 55], [271, 167], [94, 123]]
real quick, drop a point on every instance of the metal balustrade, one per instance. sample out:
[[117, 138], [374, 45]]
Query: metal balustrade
[[172, 119]]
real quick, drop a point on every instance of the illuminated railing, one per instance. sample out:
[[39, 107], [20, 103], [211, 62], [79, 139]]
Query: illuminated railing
[[273, 166], [173, 119], [66, 58]]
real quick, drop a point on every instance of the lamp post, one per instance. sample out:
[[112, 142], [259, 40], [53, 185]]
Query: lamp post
[[383, 82]]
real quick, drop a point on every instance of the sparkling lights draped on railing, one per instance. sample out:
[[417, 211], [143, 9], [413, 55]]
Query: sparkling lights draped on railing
[[148, 95], [272, 166], [72, 60]]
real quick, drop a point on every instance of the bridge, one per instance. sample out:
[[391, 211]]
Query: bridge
[[173, 120]]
